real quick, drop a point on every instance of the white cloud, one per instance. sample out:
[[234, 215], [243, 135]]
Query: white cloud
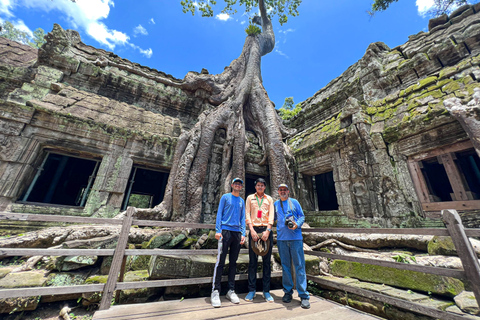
[[83, 14], [87, 15], [243, 22], [20, 25], [286, 31], [147, 53], [222, 16], [277, 50], [5, 6], [139, 30], [424, 5]]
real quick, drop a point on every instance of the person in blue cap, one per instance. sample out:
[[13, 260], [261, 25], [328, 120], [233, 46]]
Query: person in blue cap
[[290, 218], [230, 233]]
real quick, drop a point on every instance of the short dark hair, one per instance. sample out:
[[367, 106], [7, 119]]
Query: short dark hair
[[261, 180]]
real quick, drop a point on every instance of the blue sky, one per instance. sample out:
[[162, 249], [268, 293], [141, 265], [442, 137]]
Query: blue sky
[[311, 50]]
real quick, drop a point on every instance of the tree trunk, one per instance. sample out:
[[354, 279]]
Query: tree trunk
[[241, 102]]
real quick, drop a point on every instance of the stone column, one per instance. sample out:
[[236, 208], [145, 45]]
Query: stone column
[[108, 191]]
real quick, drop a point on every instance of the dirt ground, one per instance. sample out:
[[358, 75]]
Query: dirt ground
[[50, 311]]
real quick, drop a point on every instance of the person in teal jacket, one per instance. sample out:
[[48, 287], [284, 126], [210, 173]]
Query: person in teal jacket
[[230, 233], [290, 219]]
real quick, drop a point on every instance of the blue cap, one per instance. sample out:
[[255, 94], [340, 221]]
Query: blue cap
[[237, 179], [282, 185]]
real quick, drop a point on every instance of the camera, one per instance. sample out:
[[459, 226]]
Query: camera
[[290, 221]]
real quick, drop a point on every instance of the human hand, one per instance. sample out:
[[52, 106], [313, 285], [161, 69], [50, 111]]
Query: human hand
[[243, 240], [254, 235], [265, 235], [218, 236]]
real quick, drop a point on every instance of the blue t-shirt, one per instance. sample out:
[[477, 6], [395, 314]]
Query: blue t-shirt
[[230, 214], [283, 232]]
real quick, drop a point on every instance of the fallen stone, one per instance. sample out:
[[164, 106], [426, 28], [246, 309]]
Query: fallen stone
[[399, 278], [75, 262], [36, 278], [467, 303]]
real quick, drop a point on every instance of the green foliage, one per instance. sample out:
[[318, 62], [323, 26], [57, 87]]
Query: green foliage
[[139, 200], [9, 31], [280, 8], [38, 38], [253, 30], [288, 111], [404, 258], [439, 7]]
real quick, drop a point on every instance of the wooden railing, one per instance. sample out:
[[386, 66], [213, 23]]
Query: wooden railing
[[468, 257], [470, 272], [119, 254]]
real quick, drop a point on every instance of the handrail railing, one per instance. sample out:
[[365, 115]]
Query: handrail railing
[[470, 272]]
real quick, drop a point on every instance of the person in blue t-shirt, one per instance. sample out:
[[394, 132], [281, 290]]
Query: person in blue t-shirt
[[290, 218], [230, 233]]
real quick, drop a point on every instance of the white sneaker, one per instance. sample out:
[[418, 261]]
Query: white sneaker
[[232, 296], [215, 297]]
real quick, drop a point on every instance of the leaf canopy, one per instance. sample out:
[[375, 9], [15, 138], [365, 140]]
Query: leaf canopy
[[439, 7], [280, 8]]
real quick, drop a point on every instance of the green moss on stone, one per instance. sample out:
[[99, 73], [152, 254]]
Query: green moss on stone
[[447, 72], [451, 87], [441, 246], [400, 278], [96, 279], [425, 83]]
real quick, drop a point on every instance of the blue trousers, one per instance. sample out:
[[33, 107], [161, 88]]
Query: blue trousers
[[292, 251]]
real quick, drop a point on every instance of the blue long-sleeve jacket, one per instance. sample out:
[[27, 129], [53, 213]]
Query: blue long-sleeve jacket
[[230, 214], [283, 232]]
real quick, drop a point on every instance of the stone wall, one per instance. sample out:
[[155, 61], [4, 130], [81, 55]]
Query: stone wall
[[385, 109]]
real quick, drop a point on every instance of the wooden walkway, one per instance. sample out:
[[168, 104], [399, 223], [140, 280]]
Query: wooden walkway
[[200, 308]]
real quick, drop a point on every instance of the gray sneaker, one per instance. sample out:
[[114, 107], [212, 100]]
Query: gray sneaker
[[232, 296], [215, 297]]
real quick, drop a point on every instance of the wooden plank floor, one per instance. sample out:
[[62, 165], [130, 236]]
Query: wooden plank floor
[[200, 308]]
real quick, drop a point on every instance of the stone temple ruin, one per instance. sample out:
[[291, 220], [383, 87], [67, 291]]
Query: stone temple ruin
[[390, 142]]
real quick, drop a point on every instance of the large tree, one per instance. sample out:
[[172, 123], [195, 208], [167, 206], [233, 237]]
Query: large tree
[[240, 103], [439, 6]]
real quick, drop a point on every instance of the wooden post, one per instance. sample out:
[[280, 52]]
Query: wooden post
[[464, 249], [109, 288], [121, 278]]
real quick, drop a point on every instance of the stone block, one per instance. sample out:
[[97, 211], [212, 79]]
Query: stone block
[[441, 246], [11, 305], [413, 280], [467, 303], [75, 262], [12, 128], [36, 278]]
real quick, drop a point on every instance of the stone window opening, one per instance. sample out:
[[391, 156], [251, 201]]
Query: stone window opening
[[145, 188], [62, 180], [447, 178], [325, 193]]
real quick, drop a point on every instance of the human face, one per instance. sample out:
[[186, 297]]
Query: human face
[[283, 193], [237, 186], [260, 188]]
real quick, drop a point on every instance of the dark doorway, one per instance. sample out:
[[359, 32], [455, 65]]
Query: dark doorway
[[145, 188], [62, 180], [326, 194], [437, 180], [468, 163], [250, 185]]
